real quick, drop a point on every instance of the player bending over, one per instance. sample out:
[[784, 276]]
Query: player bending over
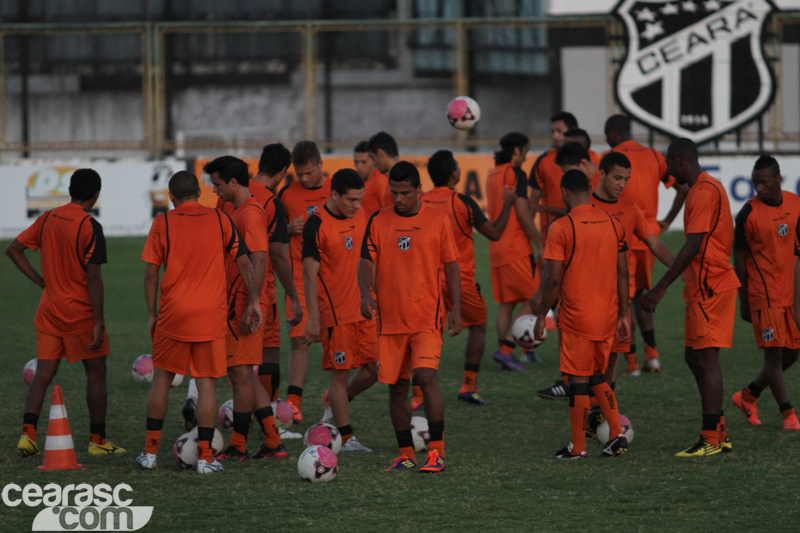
[[376, 183]]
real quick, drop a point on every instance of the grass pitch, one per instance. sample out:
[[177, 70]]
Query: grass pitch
[[499, 475]]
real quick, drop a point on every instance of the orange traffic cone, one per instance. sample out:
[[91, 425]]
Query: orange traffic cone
[[59, 451]]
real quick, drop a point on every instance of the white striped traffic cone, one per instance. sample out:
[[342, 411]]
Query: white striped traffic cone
[[59, 451]]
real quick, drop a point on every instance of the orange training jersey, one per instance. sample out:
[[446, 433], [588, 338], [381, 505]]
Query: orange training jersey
[[408, 252], [514, 243], [251, 223], [708, 211], [546, 177], [69, 238], [335, 242], [588, 241], [301, 202], [766, 231], [194, 243], [376, 192], [464, 214]]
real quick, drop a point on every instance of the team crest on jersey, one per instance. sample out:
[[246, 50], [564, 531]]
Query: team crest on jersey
[[348, 243], [768, 334], [339, 358], [695, 68], [783, 230], [311, 209], [404, 243]]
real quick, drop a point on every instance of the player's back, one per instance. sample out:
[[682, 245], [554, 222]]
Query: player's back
[[251, 223], [301, 202], [514, 243], [648, 169], [376, 193]]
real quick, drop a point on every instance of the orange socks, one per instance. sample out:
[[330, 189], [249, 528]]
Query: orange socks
[[722, 430], [436, 429], [30, 431], [408, 451], [748, 396], [470, 381], [786, 413], [507, 347], [153, 441], [416, 393], [239, 441], [295, 399], [633, 364], [712, 429], [607, 401], [437, 445], [578, 414]]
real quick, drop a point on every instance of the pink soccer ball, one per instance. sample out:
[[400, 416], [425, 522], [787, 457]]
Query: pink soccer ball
[[323, 435], [284, 413], [142, 370], [317, 464], [29, 370], [463, 112]]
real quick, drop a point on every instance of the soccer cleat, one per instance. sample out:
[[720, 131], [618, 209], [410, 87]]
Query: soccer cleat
[[726, 445], [652, 365], [700, 449], [434, 463], [189, 413], [327, 416], [566, 453], [27, 447], [635, 373], [232, 452], [353, 445], [297, 416], [401, 463], [507, 361], [558, 390], [750, 410], [470, 397], [209, 467], [791, 422], [530, 357], [278, 452], [417, 405], [147, 460], [616, 446], [596, 418], [107, 448], [286, 434]]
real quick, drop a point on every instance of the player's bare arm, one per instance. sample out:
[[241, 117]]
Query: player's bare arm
[[550, 210], [680, 197], [797, 293], [16, 252], [740, 267], [682, 261], [310, 272], [283, 271], [534, 200], [368, 304], [251, 319], [452, 275], [295, 227], [259, 262], [659, 250], [494, 230], [623, 287], [526, 221], [151, 274], [94, 283], [546, 296]]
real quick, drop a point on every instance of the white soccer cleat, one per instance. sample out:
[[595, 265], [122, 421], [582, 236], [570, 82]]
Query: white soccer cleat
[[147, 460], [206, 467], [286, 434], [353, 445], [652, 365]]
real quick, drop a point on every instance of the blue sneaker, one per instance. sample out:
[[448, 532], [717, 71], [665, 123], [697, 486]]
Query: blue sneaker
[[470, 397], [435, 463], [402, 463], [507, 361]]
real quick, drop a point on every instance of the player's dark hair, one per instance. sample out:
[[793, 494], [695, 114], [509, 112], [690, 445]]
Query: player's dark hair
[[274, 158], [383, 141], [572, 153], [405, 171], [579, 135], [228, 168], [183, 184], [684, 149], [565, 117], [441, 166], [306, 153], [508, 143], [575, 181], [767, 161], [362, 148], [614, 159], [620, 124], [345, 179], [84, 184]]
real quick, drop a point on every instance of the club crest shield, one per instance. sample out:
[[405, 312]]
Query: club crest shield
[[348, 243], [695, 68], [783, 230], [404, 243]]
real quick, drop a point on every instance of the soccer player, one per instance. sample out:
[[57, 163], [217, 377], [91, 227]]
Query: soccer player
[[69, 321], [376, 184], [188, 325], [408, 245], [585, 265], [231, 180], [332, 240], [384, 152], [710, 291], [302, 198], [648, 170], [465, 214], [511, 257], [765, 262]]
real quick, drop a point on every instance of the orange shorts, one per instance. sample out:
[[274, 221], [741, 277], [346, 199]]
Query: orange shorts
[[473, 306], [775, 328], [581, 356], [272, 328], [642, 274], [202, 359], [514, 282], [299, 329], [709, 323], [399, 354], [74, 348], [244, 349], [349, 345]]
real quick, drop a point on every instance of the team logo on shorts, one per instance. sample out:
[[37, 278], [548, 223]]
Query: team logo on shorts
[[311, 209], [768, 334], [339, 358], [783, 230], [695, 68], [404, 243], [348, 243]]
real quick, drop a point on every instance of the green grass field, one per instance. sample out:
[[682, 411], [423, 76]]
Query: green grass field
[[499, 475]]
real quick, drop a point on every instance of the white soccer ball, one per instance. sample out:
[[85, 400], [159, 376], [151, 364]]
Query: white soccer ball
[[420, 433], [627, 429], [522, 330], [283, 413], [29, 370], [323, 435], [177, 381], [463, 112], [317, 464], [225, 415], [185, 449], [142, 370]]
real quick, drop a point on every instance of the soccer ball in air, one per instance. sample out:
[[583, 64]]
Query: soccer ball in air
[[463, 112], [323, 435], [185, 450], [29, 370], [522, 330], [283, 413], [627, 429], [317, 464], [420, 433], [143, 369], [225, 415]]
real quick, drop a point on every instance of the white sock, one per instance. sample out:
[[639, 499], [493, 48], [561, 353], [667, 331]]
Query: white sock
[[192, 393]]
